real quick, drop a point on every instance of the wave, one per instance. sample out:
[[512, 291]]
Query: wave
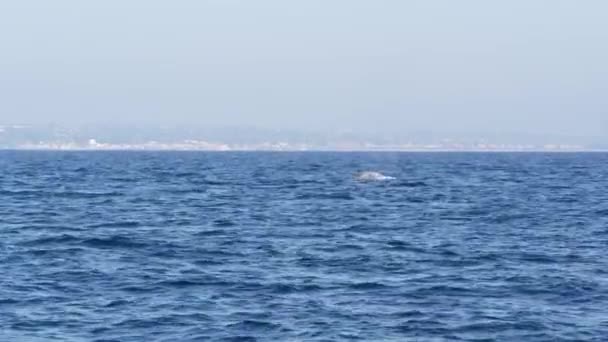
[[113, 242], [58, 239], [60, 194], [123, 224], [250, 324], [411, 184], [326, 196]]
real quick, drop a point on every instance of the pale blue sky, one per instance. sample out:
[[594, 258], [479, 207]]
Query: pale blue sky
[[537, 66]]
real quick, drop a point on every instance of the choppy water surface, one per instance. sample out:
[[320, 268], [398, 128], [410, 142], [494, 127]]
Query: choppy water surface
[[125, 246]]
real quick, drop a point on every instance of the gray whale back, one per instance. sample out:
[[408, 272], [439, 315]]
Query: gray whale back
[[372, 176]]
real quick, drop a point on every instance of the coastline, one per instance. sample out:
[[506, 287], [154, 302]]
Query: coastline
[[310, 150]]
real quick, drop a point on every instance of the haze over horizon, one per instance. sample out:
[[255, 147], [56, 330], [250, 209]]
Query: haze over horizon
[[384, 66]]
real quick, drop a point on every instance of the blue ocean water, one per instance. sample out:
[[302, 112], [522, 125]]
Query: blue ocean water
[[168, 246]]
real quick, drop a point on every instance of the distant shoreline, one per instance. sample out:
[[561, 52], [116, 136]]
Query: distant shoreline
[[302, 151]]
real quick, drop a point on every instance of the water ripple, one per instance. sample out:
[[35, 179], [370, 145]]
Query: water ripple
[[290, 247]]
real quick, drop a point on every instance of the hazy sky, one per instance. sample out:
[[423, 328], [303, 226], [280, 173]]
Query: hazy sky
[[520, 65]]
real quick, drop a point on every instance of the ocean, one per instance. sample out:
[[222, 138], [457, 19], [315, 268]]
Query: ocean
[[228, 246]]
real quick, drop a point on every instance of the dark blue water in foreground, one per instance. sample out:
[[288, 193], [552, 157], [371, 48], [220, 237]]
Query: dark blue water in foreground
[[290, 247]]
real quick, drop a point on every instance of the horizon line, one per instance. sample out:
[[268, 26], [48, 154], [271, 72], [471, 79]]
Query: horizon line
[[30, 149]]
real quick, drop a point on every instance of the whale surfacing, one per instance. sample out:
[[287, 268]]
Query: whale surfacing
[[370, 176]]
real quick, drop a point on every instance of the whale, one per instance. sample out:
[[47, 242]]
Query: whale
[[370, 176]]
